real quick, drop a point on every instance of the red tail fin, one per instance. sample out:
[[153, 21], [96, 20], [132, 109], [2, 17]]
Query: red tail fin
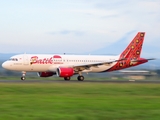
[[133, 51], [131, 54]]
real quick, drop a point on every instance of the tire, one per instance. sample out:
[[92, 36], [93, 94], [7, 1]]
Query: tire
[[80, 78], [67, 78], [23, 78]]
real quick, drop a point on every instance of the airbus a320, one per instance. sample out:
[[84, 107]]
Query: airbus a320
[[66, 66]]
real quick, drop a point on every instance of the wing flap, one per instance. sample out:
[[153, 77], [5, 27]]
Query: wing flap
[[81, 67]]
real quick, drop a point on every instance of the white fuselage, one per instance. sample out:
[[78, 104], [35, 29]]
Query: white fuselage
[[49, 62]]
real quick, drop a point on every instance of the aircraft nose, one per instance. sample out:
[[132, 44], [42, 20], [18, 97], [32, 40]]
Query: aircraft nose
[[5, 65]]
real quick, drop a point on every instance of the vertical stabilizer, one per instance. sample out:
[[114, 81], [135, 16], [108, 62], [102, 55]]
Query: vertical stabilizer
[[131, 54], [133, 50]]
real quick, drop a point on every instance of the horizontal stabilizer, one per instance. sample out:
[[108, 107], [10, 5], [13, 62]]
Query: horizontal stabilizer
[[141, 60]]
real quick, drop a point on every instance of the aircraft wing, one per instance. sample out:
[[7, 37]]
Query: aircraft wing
[[81, 67]]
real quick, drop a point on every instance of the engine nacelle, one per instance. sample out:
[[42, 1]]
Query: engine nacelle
[[46, 74], [65, 72]]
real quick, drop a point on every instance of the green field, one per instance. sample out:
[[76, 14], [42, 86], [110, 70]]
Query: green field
[[79, 101]]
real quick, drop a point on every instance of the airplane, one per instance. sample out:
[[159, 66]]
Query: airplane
[[66, 66]]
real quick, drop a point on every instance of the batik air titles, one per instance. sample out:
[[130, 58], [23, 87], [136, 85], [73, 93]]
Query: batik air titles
[[66, 66]]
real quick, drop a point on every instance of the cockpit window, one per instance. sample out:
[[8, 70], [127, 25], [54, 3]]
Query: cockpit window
[[13, 59]]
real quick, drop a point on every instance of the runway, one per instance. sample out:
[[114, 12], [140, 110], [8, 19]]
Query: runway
[[85, 81]]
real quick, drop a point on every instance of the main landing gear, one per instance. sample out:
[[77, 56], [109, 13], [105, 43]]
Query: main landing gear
[[80, 78], [23, 75]]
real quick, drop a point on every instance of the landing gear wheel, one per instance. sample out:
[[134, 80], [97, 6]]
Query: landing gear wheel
[[67, 78], [23, 78], [80, 78]]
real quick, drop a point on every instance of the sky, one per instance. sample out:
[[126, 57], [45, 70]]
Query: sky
[[79, 26]]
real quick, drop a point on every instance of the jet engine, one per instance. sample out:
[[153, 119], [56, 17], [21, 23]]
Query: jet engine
[[45, 74], [65, 72]]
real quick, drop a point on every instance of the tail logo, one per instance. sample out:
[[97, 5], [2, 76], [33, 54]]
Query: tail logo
[[137, 41], [142, 34], [138, 52]]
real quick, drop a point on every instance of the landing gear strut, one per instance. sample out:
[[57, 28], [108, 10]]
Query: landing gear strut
[[23, 75]]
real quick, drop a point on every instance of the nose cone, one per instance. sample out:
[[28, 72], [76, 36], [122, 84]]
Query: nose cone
[[5, 65]]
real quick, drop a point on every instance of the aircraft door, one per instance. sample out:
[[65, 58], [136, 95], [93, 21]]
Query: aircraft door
[[25, 60]]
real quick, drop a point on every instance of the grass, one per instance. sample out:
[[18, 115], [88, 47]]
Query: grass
[[79, 101]]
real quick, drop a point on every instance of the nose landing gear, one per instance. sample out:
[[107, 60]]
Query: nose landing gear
[[23, 75], [23, 78]]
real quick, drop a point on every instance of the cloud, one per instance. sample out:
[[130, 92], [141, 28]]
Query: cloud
[[66, 32], [110, 16], [80, 26], [111, 4]]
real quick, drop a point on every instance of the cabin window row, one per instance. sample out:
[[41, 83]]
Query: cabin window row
[[79, 60]]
